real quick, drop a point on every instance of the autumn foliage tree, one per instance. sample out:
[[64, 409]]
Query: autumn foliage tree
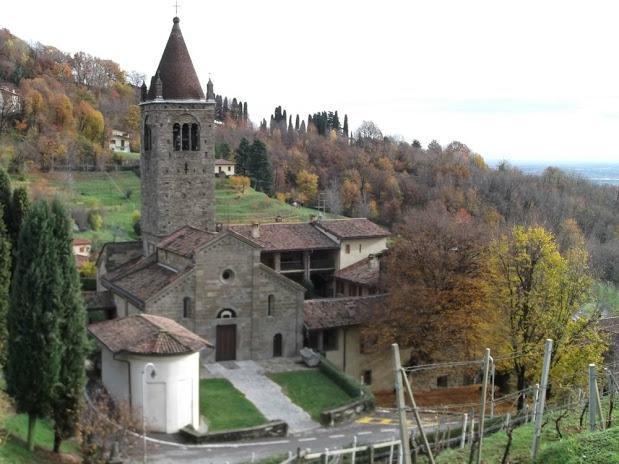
[[435, 280], [538, 293]]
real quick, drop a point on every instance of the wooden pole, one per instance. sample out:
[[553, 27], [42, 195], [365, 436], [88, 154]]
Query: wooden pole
[[399, 392], [418, 419], [592, 399], [541, 399], [465, 417], [484, 393]]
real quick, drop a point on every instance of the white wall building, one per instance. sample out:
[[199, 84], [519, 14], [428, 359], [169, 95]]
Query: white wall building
[[224, 167], [119, 141], [169, 391]]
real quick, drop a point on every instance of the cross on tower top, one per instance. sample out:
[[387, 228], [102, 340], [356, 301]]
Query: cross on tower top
[[176, 7]]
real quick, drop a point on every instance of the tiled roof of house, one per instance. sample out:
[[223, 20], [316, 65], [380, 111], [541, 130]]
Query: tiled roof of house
[[330, 313], [224, 162], [179, 80], [185, 240], [364, 272], [287, 237], [353, 228], [117, 254], [142, 279], [98, 300], [81, 241], [147, 334]]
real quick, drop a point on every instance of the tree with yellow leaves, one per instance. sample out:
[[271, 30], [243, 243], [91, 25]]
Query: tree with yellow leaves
[[307, 183], [536, 293]]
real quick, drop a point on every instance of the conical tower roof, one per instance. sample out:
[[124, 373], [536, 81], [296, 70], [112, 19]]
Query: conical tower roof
[[178, 76]]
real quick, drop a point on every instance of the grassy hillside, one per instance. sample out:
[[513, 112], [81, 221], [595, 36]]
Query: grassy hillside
[[116, 196]]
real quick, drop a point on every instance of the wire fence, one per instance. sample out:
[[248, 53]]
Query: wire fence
[[454, 428]]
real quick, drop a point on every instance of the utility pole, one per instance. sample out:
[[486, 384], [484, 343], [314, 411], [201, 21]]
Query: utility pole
[[418, 419], [399, 394], [484, 393], [592, 399], [539, 407]]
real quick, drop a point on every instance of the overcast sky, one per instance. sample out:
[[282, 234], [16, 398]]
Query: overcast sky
[[523, 81]]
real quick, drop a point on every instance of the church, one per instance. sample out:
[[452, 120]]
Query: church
[[241, 287]]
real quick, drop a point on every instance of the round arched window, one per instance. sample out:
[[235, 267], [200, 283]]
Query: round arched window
[[226, 313]]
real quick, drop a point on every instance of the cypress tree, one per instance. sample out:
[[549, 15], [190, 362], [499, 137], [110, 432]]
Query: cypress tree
[[5, 193], [260, 168], [34, 345], [296, 123], [243, 155], [245, 111], [345, 128], [19, 206], [72, 330], [225, 109], [5, 286]]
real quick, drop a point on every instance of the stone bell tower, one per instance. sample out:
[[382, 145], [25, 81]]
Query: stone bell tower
[[176, 163]]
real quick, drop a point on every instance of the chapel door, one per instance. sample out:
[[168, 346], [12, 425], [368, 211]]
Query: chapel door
[[225, 343]]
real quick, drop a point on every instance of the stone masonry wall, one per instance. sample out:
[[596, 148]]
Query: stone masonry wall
[[177, 186]]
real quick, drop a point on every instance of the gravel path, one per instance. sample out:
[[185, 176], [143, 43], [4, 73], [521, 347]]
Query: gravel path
[[267, 396]]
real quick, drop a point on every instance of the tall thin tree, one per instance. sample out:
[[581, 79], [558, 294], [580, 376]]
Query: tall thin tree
[[70, 390], [34, 345]]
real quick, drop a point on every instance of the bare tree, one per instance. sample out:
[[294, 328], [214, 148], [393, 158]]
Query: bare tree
[[369, 130], [136, 78]]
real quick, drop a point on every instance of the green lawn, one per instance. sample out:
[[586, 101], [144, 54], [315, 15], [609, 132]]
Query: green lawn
[[311, 390], [576, 444], [116, 195], [17, 425], [592, 448], [224, 407]]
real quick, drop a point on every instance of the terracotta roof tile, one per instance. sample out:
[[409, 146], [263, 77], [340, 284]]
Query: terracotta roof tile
[[287, 237], [185, 240], [147, 334], [178, 76], [329, 313], [353, 228], [362, 272], [223, 162], [141, 279]]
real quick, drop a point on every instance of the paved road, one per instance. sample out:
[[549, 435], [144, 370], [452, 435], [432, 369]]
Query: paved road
[[376, 428]]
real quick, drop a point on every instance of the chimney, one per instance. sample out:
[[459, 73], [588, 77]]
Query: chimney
[[373, 261], [255, 230]]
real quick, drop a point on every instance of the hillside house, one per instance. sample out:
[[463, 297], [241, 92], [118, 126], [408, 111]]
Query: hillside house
[[81, 250], [119, 141], [224, 168], [10, 100]]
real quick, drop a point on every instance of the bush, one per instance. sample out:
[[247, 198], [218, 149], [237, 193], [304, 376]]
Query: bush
[[343, 380], [95, 220]]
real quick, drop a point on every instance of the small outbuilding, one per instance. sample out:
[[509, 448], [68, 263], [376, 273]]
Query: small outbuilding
[[224, 167], [152, 362]]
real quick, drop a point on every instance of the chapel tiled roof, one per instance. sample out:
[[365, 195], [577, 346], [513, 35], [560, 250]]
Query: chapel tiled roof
[[362, 272], [353, 228], [224, 162], [185, 240], [117, 254], [179, 80], [329, 313], [142, 279], [98, 300], [147, 334], [288, 237]]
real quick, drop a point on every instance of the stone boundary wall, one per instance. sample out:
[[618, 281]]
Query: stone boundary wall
[[271, 429], [346, 413]]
